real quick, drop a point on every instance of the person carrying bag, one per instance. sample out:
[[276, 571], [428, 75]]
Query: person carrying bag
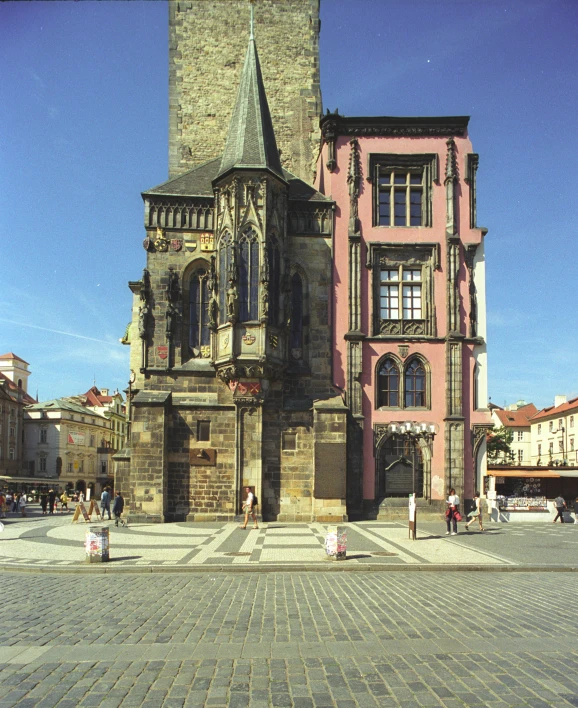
[[453, 512]]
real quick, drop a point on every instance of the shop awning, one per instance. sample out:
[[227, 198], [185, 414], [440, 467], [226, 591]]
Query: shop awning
[[525, 473]]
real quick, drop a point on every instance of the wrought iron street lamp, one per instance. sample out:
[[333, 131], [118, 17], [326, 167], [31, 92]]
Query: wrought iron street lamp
[[414, 431]]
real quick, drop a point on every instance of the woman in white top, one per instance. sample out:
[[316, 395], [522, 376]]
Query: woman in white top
[[22, 504], [453, 503], [249, 508]]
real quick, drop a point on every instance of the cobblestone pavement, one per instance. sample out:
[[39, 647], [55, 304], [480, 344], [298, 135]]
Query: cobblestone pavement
[[54, 543], [306, 640]]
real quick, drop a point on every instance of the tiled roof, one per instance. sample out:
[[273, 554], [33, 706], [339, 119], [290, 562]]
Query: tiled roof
[[516, 419], [13, 390], [10, 355], [198, 182], [553, 411]]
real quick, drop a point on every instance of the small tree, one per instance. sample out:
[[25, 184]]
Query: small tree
[[499, 445]]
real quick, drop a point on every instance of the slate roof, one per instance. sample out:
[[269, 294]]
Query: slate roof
[[198, 182], [59, 404], [251, 139]]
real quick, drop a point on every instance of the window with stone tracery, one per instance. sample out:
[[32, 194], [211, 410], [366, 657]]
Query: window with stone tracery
[[199, 335], [274, 263], [403, 288], [388, 384], [248, 276], [402, 385], [296, 332], [225, 265]]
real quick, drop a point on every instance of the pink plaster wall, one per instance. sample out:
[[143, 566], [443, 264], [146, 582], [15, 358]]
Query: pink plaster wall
[[335, 185]]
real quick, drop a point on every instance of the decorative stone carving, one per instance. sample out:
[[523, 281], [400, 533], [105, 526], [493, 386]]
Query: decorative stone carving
[[213, 295], [329, 133], [354, 182], [173, 291], [470, 255], [161, 243], [171, 318], [403, 350]]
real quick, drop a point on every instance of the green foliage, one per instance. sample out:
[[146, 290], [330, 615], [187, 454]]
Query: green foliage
[[499, 445]]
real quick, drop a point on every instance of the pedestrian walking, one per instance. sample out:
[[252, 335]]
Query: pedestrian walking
[[81, 498], [576, 510], [476, 513], [51, 501], [105, 503], [64, 502], [452, 512], [560, 505], [249, 508], [22, 504], [9, 498], [2, 506], [15, 503], [118, 508], [44, 503]]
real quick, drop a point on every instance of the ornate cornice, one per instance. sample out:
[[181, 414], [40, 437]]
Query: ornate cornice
[[333, 125]]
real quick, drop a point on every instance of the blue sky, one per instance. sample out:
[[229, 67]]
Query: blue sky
[[84, 124]]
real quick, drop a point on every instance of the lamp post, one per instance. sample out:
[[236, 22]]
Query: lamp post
[[414, 431]]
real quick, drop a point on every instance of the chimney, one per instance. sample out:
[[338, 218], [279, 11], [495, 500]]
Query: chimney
[[559, 400], [104, 391]]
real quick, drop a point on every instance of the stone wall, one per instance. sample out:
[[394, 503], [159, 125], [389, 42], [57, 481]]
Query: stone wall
[[204, 73]]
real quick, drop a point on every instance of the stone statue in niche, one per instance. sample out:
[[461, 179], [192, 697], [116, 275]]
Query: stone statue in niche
[[173, 286], [171, 317], [143, 317], [213, 299], [232, 301], [353, 181]]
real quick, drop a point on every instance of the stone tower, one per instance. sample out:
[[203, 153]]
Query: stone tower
[[207, 39], [230, 338]]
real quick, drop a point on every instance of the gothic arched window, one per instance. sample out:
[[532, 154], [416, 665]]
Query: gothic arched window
[[415, 380], [274, 262], [225, 264], [199, 337], [296, 334], [388, 383], [248, 276]]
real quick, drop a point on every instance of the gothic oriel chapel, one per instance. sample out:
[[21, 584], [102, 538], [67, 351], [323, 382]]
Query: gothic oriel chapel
[[262, 354]]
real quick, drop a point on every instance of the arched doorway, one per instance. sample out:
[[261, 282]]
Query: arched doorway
[[395, 469]]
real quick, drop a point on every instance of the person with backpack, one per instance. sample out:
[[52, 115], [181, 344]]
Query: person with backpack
[[249, 508]]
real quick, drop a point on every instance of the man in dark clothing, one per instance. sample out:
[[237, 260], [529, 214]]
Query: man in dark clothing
[[105, 503], [51, 500], [117, 509], [560, 506]]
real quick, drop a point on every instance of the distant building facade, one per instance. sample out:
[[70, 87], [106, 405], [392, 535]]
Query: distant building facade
[[555, 433], [517, 419], [62, 442], [322, 344], [14, 397]]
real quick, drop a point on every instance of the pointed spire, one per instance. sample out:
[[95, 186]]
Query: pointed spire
[[251, 140]]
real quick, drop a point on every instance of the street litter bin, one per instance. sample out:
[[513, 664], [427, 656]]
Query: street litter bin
[[336, 543], [97, 544]]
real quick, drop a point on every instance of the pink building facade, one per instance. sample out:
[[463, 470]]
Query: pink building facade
[[408, 308]]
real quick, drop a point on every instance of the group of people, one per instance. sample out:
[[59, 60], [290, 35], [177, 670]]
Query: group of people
[[453, 514], [49, 502], [13, 502]]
